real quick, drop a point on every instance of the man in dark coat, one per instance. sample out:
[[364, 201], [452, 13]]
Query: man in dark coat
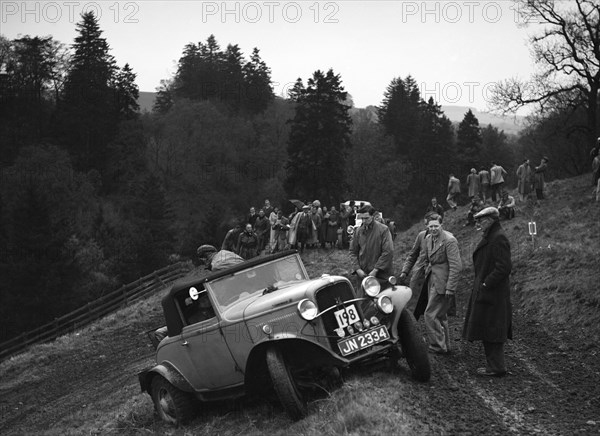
[[489, 314], [261, 227], [435, 207], [248, 242], [372, 249]]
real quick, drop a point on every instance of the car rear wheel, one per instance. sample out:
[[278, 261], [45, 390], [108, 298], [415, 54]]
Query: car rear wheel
[[413, 347], [172, 405], [285, 387]]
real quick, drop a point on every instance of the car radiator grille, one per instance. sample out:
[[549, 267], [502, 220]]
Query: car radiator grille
[[331, 296]]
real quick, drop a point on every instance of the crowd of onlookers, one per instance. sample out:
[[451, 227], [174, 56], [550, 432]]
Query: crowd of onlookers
[[310, 225], [487, 187]]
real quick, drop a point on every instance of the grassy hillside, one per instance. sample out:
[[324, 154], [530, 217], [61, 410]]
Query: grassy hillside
[[555, 277], [85, 383]]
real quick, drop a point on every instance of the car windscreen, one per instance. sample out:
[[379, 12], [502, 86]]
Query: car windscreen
[[256, 280]]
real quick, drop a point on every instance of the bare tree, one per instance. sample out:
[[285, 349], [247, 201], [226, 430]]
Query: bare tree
[[567, 53]]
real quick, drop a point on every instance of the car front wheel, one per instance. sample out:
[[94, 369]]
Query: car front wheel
[[285, 387], [172, 405], [413, 347]]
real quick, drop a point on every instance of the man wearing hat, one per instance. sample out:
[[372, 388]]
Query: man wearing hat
[[217, 260], [489, 313]]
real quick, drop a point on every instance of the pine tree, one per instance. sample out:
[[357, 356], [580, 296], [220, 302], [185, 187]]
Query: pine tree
[[258, 92], [164, 97], [88, 119], [495, 147], [232, 83], [399, 113], [205, 72], [126, 93], [319, 139], [30, 65], [436, 134], [468, 141]]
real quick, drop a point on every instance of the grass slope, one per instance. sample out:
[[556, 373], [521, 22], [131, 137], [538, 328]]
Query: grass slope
[[85, 383]]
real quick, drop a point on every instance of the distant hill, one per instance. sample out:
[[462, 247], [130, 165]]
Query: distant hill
[[454, 113], [146, 101], [511, 124]]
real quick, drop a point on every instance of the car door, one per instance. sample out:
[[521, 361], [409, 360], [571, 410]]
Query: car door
[[208, 352]]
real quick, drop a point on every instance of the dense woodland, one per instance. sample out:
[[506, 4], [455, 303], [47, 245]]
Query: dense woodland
[[95, 194]]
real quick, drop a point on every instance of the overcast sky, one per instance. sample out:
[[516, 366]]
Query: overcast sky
[[454, 50]]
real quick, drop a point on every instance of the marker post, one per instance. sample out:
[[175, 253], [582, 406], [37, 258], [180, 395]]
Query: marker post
[[532, 232]]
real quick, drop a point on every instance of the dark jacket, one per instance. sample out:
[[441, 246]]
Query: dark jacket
[[489, 313], [372, 247], [438, 208], [247, 245]]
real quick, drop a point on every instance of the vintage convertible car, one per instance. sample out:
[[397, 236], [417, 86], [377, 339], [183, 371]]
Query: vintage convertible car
[[264, 326]]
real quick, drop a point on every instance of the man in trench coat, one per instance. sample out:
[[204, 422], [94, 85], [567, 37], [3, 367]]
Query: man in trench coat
[[489, 313], [441, 280]]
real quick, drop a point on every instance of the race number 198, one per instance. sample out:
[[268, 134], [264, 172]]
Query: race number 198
[[346, 316]]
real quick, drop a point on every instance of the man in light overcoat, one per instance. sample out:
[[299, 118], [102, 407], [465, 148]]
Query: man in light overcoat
[[437, 296]]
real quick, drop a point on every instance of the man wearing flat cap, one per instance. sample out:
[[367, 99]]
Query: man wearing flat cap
[[489, 313], [217, 260]]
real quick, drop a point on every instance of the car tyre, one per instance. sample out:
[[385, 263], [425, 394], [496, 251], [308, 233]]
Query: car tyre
[[172, 404], [285, 387], [413, 347]]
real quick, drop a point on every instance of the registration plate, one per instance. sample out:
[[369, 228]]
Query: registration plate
[[363, 340], [346, 316]]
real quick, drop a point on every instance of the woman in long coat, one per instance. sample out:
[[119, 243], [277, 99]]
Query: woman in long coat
[[316, 224], [489, 313], [333, 223], [524, 179], [273, 217], [473, 183]]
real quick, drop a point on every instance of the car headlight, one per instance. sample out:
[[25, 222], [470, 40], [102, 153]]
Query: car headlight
[[307, 309], [384, 303], [371, 286]]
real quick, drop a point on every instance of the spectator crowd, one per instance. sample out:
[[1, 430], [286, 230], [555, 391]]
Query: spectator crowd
[[311, 225]]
